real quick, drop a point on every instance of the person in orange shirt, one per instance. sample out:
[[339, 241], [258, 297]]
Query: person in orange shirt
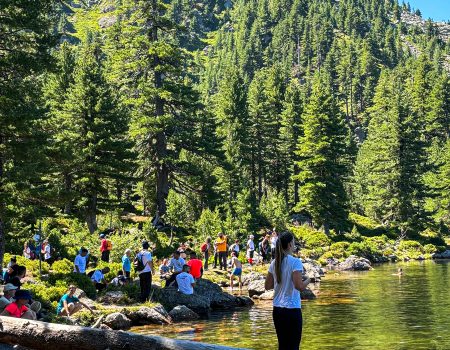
[[221, 243], [196, 266]]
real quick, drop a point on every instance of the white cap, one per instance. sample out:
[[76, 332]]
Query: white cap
[[9, 286]]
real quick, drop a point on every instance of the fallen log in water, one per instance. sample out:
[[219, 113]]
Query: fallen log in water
[[43, 336]]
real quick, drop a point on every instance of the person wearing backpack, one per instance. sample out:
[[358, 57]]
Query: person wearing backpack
[[143, 264], [105, 247]]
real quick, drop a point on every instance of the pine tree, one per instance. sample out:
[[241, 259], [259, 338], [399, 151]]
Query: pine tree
[[25, 37], [320, 151], [96, 130]]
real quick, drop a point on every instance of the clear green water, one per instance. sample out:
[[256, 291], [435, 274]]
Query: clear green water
[[359, 310]]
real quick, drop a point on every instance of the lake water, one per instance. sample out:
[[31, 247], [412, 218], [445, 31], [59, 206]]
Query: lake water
[[356, 310]]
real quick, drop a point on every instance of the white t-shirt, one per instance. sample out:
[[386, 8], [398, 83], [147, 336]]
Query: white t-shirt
[[97, 276], [235, 247], [177, 264], [285, 294], [251, 244], [47, 250], [273, 242], [184, 281], [80, 261], [146, 257]]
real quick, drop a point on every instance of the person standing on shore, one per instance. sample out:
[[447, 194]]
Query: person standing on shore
[[206, 249], [285, 277], [250, 249], [222, 250], [145, 275], [105, 247], [126, 263], [273, 243]]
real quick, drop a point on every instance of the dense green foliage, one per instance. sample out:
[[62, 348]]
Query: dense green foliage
[[223, 116]]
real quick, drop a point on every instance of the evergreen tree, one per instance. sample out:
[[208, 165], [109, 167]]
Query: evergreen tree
[[320, 151], [26, 33], [96, 130]]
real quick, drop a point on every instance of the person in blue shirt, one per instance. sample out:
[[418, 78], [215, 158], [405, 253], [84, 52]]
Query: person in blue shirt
[[69, 303], [126, 263]]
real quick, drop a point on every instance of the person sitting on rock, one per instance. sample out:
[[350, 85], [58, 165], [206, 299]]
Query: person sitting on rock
[[17, 308], [236, 265], [9, 290], [120, 280], [164, 270], [69, 303], [185, 281], [196, 266], [16, 278], [98, 278], [176, 265]]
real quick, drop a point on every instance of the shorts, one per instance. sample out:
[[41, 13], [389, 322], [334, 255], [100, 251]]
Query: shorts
[[237, 271]]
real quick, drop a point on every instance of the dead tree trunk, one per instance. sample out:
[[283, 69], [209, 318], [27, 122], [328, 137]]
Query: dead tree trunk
[[43, 336]]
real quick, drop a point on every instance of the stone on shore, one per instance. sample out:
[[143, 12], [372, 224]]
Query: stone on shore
[[146, 315], [252, 276], [182, 313], [256, 287], [117, 321], [113, 297], [354, 263], [307, 294], [312, 270]]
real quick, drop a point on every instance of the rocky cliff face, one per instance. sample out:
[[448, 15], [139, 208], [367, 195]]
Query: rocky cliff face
[[413, 20]]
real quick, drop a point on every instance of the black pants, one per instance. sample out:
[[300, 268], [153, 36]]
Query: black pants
[[206, 259], [127, 275], [172, 279], [216, 257], [288, 325], [223, 260], [145, 282], [100, 286], [105, 255]]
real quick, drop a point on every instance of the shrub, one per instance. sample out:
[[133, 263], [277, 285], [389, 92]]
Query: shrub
[[81, 281], [310, 238], [339, 250], [63, 266], [46, 294], [365, 225], [31, 265], [430, 249], [410, 249]]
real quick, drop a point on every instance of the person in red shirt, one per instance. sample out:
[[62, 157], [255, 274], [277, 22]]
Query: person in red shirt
[[104, 248], [18, 309], [196, 266]]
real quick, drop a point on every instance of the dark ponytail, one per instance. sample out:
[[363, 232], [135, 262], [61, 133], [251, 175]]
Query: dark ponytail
[[282, 243]]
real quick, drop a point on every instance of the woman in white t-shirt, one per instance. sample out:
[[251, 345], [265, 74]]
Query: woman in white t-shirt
[[285, 277]]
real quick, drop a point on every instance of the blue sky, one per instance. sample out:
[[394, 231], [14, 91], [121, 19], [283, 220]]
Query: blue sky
[[438, 10]]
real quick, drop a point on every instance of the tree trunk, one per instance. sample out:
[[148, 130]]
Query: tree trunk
[[91, 214], [43, 336], [162, 168], [68, 189], [2, 208]]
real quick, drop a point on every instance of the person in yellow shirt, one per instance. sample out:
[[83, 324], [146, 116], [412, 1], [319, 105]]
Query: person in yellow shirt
[[221, 243]]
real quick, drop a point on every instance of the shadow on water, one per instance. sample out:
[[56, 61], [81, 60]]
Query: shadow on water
[[368, 310]]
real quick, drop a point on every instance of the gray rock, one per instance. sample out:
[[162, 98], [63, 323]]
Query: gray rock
[[266, 295], [183, 313], [252, 276], [443, 255], [117, 321], [107, 8], [88, 302], [170, 298], [312, 270], [113, 297], [307, 294], [256, 287], [147, 315], [105, 327], [354, 263], [107, 21]]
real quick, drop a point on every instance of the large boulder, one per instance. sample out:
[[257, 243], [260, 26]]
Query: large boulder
[[266, 295], [170, 298], [443, 255], [182, 313], [206, 295], [256, 287], [146, 315], [312, 270], [252, 276], [117, 321], [354, 263]]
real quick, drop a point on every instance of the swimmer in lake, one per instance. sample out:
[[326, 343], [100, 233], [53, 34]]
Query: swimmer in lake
[[399, 272]]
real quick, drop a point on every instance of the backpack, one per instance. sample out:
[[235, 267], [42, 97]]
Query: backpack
[[137, 263], [108, 245], [203, 247]]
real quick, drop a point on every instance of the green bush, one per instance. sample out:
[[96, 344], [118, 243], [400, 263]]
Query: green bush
[[339, 250], [63, 266], [31, 265], [430, 249], [365, 225], [310, 238], [81, 281], [410, 249], [46, 294]]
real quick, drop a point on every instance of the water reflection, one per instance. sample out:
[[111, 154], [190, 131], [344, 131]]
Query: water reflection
[[369, 310]]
